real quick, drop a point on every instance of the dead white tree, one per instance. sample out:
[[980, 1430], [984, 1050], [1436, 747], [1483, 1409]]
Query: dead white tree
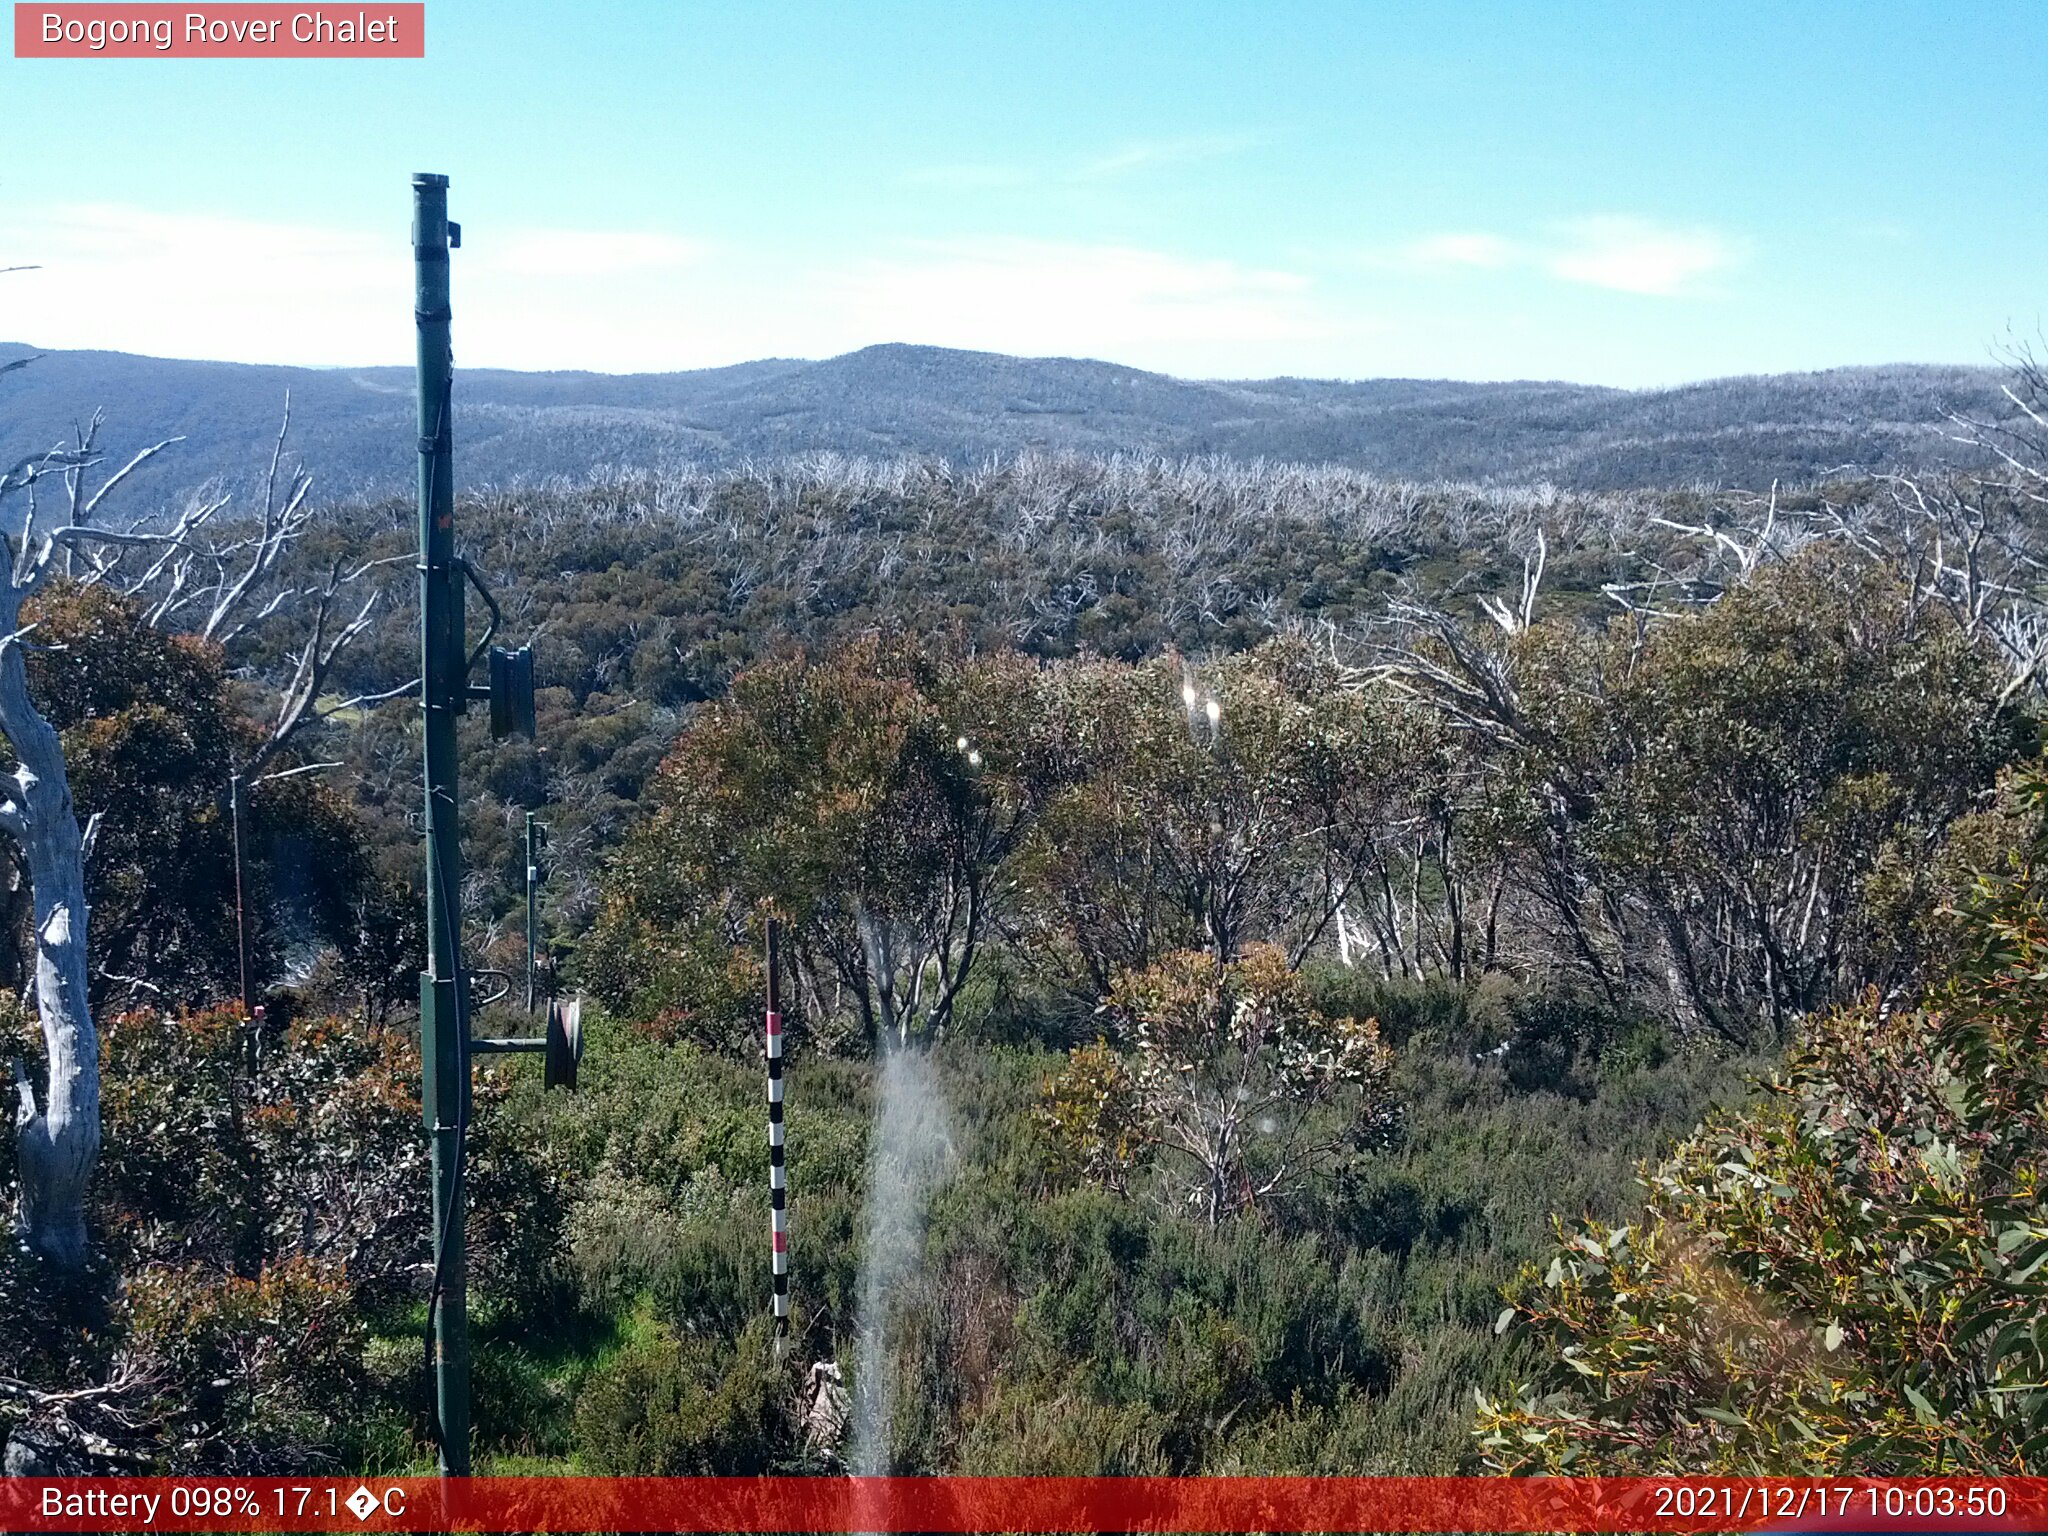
[[1964, 543], [58, 1141], [1515, 620], [236, 583], [225, 589]]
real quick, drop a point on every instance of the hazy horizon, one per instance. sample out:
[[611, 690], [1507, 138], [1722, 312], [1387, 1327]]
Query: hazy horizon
[[1990, 361]]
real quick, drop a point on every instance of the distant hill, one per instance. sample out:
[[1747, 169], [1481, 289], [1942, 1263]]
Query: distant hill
[[354, 429]]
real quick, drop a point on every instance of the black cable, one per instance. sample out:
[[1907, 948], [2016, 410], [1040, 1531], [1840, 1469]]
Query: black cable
[[461, 1154], [439, 893]]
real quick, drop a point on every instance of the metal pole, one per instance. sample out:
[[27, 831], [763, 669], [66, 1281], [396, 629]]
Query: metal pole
[[532, 906], [444, 1025], [241, 911], [778, 1194]]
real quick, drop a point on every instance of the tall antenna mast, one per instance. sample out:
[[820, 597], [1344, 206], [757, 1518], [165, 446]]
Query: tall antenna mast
[[444, 690], [446, 661]]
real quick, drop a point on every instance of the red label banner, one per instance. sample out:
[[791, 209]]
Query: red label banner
[[237, 31], [1025, 1504]]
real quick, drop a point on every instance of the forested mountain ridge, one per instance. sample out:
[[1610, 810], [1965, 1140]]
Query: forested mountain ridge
[[354, 425]]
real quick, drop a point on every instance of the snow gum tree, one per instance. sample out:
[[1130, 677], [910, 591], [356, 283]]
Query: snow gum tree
[[223, 587], [58, 1139], [1245, 1089]]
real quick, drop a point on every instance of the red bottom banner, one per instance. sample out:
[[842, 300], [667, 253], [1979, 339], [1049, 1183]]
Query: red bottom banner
[[1024, 1504]]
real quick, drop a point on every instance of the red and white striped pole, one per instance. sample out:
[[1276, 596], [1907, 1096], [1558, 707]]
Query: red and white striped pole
[[778, 1192]]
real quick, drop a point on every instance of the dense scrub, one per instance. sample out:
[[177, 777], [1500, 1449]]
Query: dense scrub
[[1565, 874], [646, 593], [1300, 887], [261, 1212], [1724, 819], [1843, 1274], [1058, 1326]]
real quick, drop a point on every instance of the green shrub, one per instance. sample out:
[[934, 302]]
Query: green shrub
[[1056, 1328], [674, 1406], [1841, 1279], [243, 1375], [1437, 1010], [1038, 1431], [1556, 1041]]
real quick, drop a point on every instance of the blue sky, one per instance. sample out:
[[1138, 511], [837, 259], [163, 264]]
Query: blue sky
[[1628, 193]]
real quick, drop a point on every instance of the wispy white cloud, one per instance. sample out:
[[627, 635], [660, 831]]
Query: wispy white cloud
[[1147, 154], [1626, 254], [1038, 296], [133, 280], [1459, 250], [1638, 256], [179, 285], [137, 280]]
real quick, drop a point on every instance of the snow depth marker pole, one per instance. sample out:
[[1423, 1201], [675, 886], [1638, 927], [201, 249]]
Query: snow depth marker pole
[[778, 1191]]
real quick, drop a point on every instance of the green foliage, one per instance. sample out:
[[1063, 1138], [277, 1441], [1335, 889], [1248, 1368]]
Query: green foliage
[[1183, 832], [1843, 1279], [1568, 1042], [242, 1375], [1643, 836], [1090, 1117], [688, 1407], [151, 732], [1057, 1326], [1718, 821], [1746, 798], [262, 1203], [1244, 1092], [869, 799]]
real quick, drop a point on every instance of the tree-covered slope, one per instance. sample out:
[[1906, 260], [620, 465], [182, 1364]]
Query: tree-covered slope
[[354, 426]]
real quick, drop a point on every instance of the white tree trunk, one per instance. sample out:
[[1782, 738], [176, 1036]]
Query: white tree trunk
[[59, 1144]]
